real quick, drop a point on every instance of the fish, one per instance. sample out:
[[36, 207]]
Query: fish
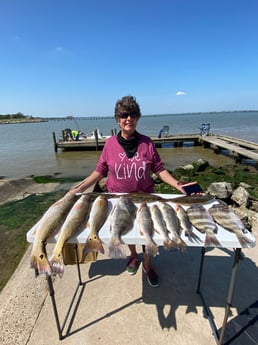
[[75, 219], [192, 199], [185, 224], [97, 217], [172, 223], [226, 218], [47, 225], [121, 222], [135, 197], [146, 228], [203, 221], [139, 197], [160, 226]]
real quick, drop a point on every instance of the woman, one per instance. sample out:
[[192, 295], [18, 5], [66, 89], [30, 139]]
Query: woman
[[128, 159]]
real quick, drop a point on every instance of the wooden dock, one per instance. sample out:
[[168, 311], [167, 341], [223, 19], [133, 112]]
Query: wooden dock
[[237, 148]]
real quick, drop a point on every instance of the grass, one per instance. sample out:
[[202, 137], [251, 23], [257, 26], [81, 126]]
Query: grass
[[16, 218]]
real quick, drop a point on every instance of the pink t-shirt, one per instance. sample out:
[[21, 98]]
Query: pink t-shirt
[[125, 174]]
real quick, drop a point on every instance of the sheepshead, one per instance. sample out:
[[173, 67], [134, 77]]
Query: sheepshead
[[47, 225], [121, 222], [160, 226], [203, 221], [75, 219], [98, 216], [185, 224], [146, 228], [229, 220], [172, 223]]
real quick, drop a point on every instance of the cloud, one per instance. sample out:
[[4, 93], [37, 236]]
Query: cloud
[[59, 49], [180, 93]]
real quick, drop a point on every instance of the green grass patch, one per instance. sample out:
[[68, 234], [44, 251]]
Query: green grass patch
[[53, 179], [16, 218]]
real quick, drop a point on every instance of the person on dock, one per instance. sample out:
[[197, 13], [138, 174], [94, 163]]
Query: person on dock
[[128, 159]]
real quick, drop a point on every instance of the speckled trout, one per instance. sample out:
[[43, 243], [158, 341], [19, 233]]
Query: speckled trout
[[185, 224], [173, 225], [160, 226], [47, 225], [76, 218], [98, 216], [146, 228], [226, 218], [121, 222]]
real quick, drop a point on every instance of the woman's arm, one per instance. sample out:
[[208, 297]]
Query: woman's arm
[[93, 178], [166, 177]]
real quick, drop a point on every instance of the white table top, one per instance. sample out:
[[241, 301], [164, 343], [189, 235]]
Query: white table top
[[225, 237]]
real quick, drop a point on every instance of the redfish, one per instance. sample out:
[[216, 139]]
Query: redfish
[[47, 225], [122, 221], [76, 218], [146, 228], [98, 216]]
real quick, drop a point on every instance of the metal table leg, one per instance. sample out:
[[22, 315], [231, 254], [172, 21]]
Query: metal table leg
[[219, 338], [53, 300], [232, 285]]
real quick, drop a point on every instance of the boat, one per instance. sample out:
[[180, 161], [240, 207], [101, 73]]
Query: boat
[[78, 135]]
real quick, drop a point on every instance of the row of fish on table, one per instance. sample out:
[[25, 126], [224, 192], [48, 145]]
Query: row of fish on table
[[154, 214]]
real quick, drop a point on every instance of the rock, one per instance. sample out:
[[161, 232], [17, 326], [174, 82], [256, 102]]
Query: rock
[[188, 167], [222, 190], [240, 196], [201, 165], [254, 224]]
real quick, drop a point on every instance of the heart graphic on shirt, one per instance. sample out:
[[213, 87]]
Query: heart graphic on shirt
[[122, 156]]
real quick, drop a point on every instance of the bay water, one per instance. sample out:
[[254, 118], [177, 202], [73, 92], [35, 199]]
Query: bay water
[[27, 149]]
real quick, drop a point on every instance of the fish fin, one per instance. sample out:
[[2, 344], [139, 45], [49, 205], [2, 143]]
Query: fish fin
[[57, 265], [211, 241], [40, 263], [116, 249], [93, 244], [245, 241], [152, 249]]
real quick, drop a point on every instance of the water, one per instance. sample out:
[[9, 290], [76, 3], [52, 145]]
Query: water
[[28, 149]]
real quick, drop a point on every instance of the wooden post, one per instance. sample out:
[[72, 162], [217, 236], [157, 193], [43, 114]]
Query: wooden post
[[54, 139], [97, 139]]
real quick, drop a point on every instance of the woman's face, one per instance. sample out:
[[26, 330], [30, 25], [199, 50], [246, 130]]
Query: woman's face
[[127, 122]]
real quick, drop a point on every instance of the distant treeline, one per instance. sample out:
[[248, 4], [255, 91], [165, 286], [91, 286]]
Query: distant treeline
[[15, 116]]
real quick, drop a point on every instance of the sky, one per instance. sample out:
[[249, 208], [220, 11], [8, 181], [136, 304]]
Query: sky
[[78, 57]]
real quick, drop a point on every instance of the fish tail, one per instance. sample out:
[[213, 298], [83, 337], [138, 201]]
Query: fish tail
[[40, 264], [244, 241], [168, 244], [116, 250], [151, 249], [180, 244], [93, 244], [192, 237], [211, 240], [57, 265]]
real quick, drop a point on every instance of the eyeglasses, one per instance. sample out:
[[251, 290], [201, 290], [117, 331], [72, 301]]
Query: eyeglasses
[[125, 114]]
